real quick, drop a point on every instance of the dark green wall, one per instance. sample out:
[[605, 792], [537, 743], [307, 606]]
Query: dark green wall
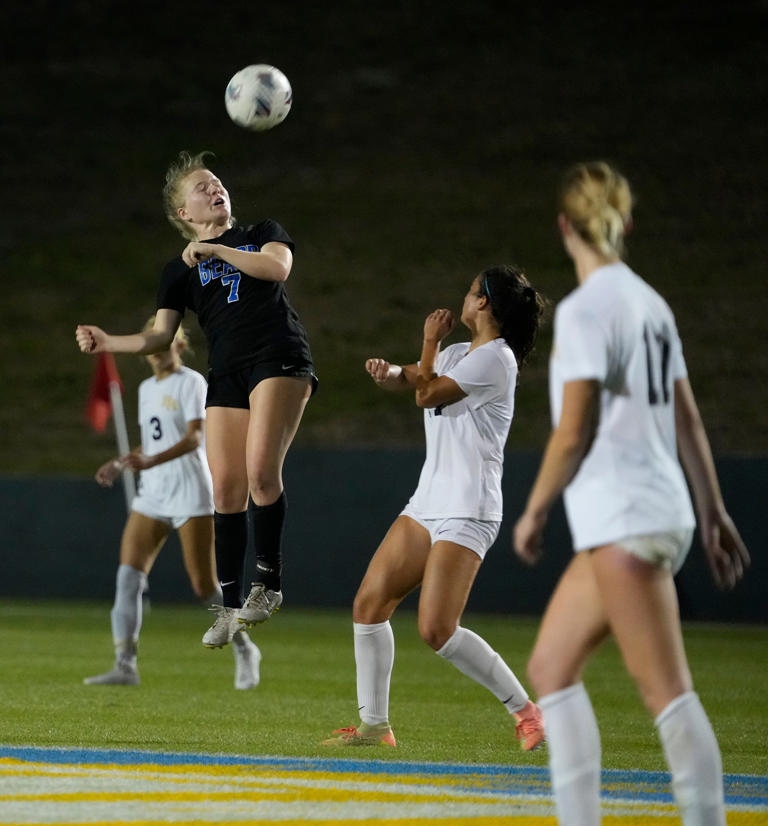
[[61, 536]]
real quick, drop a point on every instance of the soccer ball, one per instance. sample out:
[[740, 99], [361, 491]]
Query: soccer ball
[[258, 97]]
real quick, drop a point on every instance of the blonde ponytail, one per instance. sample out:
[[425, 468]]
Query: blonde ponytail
[[597, 201]]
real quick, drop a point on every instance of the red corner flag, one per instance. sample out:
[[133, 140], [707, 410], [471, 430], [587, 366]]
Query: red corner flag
[[99, 405]]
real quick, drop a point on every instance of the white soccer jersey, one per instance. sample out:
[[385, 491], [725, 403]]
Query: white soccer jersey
[[461, 476], [183, 486], [616, 329]]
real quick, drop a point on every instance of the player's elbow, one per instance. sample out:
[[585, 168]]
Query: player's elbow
[[279, 266], [156, 343], [424, 398], [282, 271]]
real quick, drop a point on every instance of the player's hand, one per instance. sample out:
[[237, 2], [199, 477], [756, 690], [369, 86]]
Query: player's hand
[[438, 324], [378, 369], [196, 252], [90, 339], [108, 472], [726, 553], [527, 537]]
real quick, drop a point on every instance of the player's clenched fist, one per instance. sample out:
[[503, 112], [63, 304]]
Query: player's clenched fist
[[196, 252], [378, 369], [90, 339]]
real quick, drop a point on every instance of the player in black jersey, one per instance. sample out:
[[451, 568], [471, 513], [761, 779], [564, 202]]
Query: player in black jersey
[[260, 379]]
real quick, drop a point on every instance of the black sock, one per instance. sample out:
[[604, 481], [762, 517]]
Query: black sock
[[230, 536], [266, 533]]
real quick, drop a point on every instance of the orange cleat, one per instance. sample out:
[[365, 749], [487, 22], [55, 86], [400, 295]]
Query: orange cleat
[[362, 735], [530, 727]]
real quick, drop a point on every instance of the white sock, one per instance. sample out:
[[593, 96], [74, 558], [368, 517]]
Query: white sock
[[693, 757], [472, 655], [126, 612], [574, 755], [374, 658]]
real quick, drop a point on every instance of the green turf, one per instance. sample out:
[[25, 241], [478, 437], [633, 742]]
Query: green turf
[[187, 701]]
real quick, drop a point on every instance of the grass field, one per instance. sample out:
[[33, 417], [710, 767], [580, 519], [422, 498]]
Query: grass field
[[186, 701]]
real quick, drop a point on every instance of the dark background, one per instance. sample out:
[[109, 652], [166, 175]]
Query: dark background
[[426, 141]]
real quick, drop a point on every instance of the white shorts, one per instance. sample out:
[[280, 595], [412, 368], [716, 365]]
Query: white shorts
[[666, 550], [146, 508], [475, 534]]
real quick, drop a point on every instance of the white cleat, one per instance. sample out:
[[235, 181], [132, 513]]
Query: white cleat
[[121, 674], [247, 660], [260, 604], [224, 626]]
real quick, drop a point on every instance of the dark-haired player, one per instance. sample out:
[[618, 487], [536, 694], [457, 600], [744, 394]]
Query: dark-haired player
[[440, 539]]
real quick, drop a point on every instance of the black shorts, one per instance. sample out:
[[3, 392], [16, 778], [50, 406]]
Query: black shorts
[[233, 389]]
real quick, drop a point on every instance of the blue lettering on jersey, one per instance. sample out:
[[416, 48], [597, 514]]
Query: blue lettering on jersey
[[233, 282], [215, 268]]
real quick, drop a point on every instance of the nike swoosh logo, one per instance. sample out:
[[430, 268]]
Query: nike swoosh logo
[[232, 582], [286, 366]]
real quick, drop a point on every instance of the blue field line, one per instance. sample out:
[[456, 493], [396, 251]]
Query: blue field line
[[740, 789], [69, 754]]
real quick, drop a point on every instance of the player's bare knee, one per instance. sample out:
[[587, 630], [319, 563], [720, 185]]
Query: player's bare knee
[[229, 497], [364, 607], [435, 632], [658, 694], [264, 488], [370, 606], [546, 676]]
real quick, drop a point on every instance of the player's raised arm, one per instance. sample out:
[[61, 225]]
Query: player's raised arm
[[272, 263], [92, 339], [433, 390]]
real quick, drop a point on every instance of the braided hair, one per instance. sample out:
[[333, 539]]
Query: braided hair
[[515, 305]]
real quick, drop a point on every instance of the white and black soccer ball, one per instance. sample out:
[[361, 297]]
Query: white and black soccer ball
[[258, 97]]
